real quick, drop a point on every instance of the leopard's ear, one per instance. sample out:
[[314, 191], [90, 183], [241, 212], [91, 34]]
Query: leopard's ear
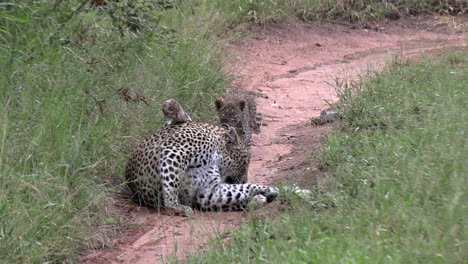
[[172, 110], [242, 104], [219, 103], [231, 134], [225, 126]]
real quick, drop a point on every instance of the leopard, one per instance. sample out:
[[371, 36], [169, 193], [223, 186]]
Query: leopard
[[238, 109], [185, 165], [176, 114]]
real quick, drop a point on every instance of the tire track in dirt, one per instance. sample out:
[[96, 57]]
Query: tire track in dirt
[[290, 65]]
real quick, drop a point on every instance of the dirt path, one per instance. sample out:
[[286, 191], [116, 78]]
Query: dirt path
[[291, 66]]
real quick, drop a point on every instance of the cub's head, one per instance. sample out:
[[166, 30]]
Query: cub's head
[[232, 112], [236, 162]]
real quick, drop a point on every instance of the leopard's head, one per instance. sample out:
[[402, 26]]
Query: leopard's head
[[237, 159], [233, 112]]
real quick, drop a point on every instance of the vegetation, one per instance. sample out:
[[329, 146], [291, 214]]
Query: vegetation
[[396, 185], [78, 88], [81, 82], [350, 10]]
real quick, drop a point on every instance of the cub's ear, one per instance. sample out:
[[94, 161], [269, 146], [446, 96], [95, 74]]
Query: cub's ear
[[219, 103], [172, 110], [242, 105], [231, 134]]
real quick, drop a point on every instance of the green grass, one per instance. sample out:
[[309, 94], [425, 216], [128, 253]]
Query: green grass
[[80, 86], [396, 185], [260, 11], [66, 126]]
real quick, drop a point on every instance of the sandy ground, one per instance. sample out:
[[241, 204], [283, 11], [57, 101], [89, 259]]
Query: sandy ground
[[291, 66]]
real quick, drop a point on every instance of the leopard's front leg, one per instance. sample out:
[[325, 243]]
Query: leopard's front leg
[[170, 186]]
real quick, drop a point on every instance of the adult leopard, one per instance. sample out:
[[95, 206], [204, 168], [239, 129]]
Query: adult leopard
[[186, 164]]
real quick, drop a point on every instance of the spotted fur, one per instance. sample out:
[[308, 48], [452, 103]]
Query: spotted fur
[[238, 109]]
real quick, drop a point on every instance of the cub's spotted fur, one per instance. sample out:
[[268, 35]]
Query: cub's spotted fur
[[238, 109]]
